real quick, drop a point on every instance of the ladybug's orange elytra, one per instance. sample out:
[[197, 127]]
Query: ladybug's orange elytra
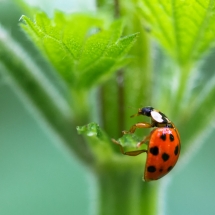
[[163, 147]]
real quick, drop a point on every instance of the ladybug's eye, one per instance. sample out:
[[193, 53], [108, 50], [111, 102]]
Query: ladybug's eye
[[147, 111]]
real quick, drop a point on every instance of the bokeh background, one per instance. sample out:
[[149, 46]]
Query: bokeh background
[[38, 178]]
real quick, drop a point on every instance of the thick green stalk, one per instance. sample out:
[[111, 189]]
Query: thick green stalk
[[138, 75], [132, 87], [110, 108], [121, 191], [80, 106]]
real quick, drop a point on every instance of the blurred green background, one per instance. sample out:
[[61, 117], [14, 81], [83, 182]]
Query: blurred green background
[[37, 178]]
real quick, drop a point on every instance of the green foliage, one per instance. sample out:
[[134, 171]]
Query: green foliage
[[184, 28], [92, 130], [129, 140], [39, 93], [84, 49], [99, 140]]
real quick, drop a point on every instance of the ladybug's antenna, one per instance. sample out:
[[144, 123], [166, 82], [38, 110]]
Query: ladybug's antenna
[[136, 114], [130, 106]]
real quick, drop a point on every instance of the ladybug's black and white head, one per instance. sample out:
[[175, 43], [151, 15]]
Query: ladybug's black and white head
[[146, 111], [156, 115]]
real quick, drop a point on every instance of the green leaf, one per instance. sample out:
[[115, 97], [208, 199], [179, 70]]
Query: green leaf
[[117, 27], [121, 47], [129, 140], [100, 143], [90, 130], [184, 28], [95, 46], [84, 49], [60, 57]]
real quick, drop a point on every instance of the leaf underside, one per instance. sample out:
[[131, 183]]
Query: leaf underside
[[184, 28]]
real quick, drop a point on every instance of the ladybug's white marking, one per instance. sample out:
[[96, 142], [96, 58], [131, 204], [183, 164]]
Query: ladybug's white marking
[[156, 116]]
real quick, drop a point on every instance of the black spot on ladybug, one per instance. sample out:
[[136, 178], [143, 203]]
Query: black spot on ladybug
[[169, 168], [151, 169], [163, 137], [171, 137], [154, 150], [165, 156], [176, 150]]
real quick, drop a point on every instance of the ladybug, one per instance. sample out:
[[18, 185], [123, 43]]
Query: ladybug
[[163, 144]]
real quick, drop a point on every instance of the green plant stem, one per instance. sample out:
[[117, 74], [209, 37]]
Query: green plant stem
[[123, 192], [109, 105], [80, 106], [138, 78]]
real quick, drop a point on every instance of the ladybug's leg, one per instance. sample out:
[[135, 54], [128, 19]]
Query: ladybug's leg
[[131, 153], [147, 138], [138, 125]]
